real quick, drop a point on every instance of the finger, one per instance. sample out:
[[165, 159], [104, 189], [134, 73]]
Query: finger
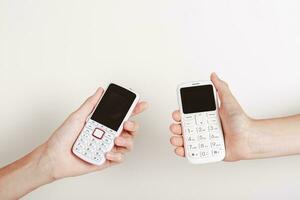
[[140, 107], [128, 133], [176, 116], [122, 150], [224, 93], [176, 129], [131, 126], [221, 86], [126, 142], [177, 141], [87, 107], [179, 151], [115, 157]]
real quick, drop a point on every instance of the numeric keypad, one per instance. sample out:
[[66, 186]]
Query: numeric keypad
[[202, 135], [94, 141]]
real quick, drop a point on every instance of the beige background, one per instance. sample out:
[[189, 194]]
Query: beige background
[[53, 54]]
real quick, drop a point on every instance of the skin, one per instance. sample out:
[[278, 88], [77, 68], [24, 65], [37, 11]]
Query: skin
[[53, 160], [246, 138]]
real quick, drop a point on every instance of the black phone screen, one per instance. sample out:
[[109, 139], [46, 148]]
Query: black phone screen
[[197, 99], [113, 106]]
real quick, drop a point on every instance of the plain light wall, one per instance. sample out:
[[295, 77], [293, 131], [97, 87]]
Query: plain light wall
[[53, 54]]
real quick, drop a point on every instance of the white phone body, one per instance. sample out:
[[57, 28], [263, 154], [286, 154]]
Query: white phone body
[[96, 139], [202, 130]]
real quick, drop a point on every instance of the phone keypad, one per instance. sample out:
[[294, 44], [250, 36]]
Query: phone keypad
[[94, 141], [203, 135]]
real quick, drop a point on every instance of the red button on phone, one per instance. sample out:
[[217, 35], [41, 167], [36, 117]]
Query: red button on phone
[[98, 133]]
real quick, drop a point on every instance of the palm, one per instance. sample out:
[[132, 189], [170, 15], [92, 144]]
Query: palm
[[59, 145], [234, 127]]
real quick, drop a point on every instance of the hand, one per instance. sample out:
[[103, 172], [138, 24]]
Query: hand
[[236, 125], [54, 159], [58, 154]]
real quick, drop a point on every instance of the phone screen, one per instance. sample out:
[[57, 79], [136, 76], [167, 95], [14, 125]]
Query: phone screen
[[113, 106], [197, 99]]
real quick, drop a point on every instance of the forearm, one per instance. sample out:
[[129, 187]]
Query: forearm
[[25, 175], [275, 137]]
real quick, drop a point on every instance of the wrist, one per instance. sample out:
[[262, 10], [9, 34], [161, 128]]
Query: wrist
[[245, 143], [254, 142], [261, 142], [28, 173], [42, 164]]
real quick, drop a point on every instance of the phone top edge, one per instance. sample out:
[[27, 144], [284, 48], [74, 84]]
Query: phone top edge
[[194, 83], [121, 86]]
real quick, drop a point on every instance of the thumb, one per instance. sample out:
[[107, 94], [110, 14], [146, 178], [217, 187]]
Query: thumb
[[224, 92], [87, 107]]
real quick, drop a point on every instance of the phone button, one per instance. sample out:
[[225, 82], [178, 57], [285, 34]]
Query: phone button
[[188, 117], [216, 144], [216, 152], [192, 147], [107, 140], [194, 154], [214, 135], [109, 135], [191, 138], [204, 154], [211, 114], [203, 145], [190, 131], [98, 133]]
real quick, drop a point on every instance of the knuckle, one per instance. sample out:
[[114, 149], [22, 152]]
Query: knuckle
[[174, 114], [172, 127], [75, 116], [171, 140], [121, 158], [225, 83], [134, 133], [137, 126], [90, 100], [175, 128], [130, 145], [176, 151]]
